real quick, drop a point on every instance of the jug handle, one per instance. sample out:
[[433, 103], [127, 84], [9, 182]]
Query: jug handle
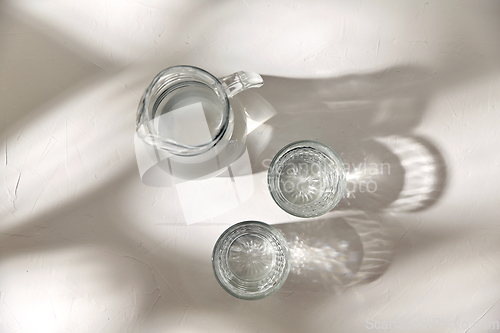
[[239, 81]]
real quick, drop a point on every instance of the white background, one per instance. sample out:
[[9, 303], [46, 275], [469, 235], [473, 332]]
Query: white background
[[86, 247]]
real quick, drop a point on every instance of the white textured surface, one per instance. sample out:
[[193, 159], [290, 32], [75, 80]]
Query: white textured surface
[[86, 247]]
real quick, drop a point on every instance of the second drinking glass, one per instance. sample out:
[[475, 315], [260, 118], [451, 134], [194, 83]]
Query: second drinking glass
[[306, 179]]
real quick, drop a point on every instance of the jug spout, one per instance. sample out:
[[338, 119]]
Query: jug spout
[[239, 81]]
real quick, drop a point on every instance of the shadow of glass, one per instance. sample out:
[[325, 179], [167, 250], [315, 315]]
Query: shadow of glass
[[394, 173], [331, 254], [374, 177]]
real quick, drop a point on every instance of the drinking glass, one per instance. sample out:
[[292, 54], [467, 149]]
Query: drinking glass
[[251, 260], [306, 179]]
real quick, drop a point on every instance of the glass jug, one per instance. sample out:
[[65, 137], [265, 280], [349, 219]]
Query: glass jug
[[186, 115]]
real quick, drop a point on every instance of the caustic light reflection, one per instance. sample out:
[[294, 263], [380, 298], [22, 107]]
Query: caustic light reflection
[[334, 253], [374, 177], [327, 258], [324, 253], [425, 172], [397, 173]]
